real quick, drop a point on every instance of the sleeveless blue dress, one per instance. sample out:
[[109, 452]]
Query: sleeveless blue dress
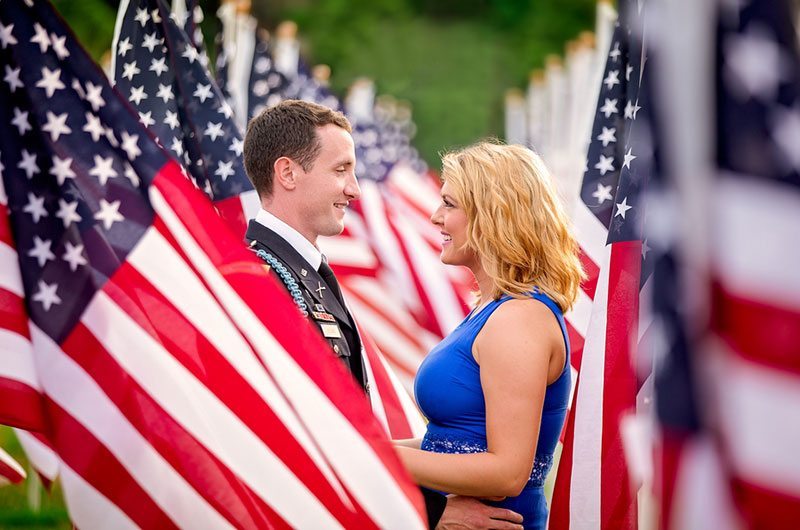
[[448, 391]]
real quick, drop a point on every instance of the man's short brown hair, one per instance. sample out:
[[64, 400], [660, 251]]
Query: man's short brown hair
[[288, 129]]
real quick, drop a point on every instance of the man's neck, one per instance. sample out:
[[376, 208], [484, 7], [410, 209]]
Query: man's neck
[[297, 240]]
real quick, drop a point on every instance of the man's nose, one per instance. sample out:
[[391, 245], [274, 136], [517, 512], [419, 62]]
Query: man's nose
[[352, 189]]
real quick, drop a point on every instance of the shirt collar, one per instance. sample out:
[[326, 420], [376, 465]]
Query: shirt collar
[[302, 245]]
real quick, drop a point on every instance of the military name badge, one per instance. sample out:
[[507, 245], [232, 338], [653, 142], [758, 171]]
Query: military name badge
[[322, 315], [330, 331]]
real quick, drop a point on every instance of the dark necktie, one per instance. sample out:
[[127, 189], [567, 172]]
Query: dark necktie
[[330, 278]]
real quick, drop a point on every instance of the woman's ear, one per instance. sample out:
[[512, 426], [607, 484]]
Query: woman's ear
[[285, 173]]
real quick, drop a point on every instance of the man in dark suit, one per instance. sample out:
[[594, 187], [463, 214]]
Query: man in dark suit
[[301, 159]]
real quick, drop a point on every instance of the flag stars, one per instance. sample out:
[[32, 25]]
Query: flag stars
[[46, 295], [171, 119], [165, 92], [142, 16], [56, 125], [786, 133], [50, 81], [6, 37], [109, 213], [615, 52], [124, 46], [20, 121], [609, 107], [645, 249], [150, 41], [213, 130], [629, 157], [237, 146], [28, 164], [190, 53], [76, 86], [61, 169], [203, 92], [159, 66], [94, 96], [622, 208], [156, 16], [73, 254], [12, 78], [608, 135], [628, 72], [605, 164], [225, 109], [224, 170], [59, 45], [130, 145], [94, 127], [137, 95], [35, 207], [131, 175], [602, 193], [41, 38], [129, 70], [68, 212], [611, 79], [755, 62], [176, 147], [631, 109], [102, 169], [146, 118]]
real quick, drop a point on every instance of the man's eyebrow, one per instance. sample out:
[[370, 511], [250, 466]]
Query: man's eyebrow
[[345, 162]]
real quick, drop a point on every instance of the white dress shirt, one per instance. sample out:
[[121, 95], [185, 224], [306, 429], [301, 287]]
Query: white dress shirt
[[302, 245]]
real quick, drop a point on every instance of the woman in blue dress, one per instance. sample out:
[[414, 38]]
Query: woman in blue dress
[[495, 390]]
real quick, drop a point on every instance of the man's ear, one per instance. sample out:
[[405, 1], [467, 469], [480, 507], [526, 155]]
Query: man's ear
[[285, 173]]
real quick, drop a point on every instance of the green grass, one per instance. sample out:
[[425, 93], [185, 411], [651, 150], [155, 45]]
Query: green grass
[[15, 509]]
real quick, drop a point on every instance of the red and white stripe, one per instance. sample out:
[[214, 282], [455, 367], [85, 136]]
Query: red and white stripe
[[181, 400], [11, 472], [753, 358], [593, 488]]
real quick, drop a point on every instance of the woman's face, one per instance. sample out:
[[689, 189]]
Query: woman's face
[[451, 220]]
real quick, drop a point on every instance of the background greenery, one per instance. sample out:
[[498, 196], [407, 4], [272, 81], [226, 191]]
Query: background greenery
[[452, 59]]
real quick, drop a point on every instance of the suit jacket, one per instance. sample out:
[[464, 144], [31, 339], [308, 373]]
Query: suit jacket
[[330, 318], [325, 310]]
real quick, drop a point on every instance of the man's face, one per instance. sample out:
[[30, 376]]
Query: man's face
[[326, 189]]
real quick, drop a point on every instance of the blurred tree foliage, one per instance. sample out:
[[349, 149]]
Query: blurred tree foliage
[[452, 59]]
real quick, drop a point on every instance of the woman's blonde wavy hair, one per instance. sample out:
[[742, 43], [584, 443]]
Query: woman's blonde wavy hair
[[516, 222]]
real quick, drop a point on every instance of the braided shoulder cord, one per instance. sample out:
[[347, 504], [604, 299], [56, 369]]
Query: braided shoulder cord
[[286, 278]]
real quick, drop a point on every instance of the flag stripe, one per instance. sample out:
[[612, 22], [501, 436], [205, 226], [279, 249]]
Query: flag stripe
[[199, 467], [10, 470], [390, 403], [382, 496], [587, 412], [619, 389], [88, 508], [202, 414], [752, 394], [80, 417], [40, 452]]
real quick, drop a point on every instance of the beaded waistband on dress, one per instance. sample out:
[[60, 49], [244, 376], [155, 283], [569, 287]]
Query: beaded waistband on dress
[[442, 443]]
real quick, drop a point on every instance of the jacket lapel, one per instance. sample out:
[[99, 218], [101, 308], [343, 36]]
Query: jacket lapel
[[312, 281]]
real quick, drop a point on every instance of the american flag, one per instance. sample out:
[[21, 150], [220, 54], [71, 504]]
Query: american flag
[[734, 345], [593, 488], [165, 78], [174, 378], [234, 197]]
